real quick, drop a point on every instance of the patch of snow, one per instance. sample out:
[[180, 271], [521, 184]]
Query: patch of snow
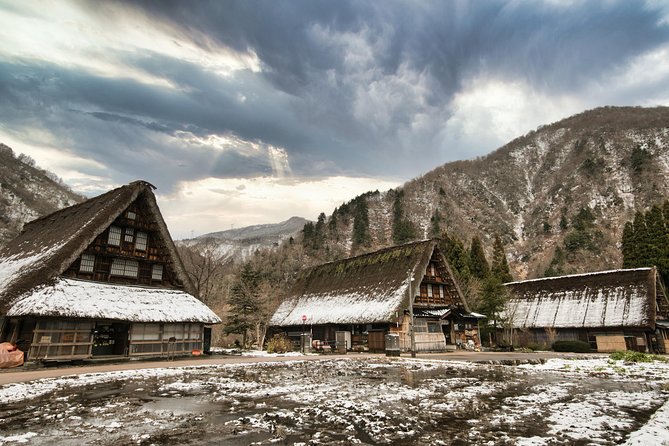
[[655, 432], [21, 439]]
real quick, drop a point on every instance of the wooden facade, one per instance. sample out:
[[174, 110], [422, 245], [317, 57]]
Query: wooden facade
[[116, 288]]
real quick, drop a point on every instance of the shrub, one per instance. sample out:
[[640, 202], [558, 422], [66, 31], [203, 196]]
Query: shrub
[[631, 356], [280, 343], [571, 346]]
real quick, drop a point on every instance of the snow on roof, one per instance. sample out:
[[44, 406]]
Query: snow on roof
[[571, 276], [83, 299], [350, 308], [363, 289], [617, 298], [48, 245]]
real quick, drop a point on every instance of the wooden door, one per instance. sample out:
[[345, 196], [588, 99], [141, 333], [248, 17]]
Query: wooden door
[[376, 341]]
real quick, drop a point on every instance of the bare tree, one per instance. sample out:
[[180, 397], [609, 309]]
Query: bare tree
[[205, 263]]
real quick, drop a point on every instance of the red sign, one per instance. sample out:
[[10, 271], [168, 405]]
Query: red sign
[[304, 318]]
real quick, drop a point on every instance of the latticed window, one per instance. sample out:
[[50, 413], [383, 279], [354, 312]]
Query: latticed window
[[124, 267], [87, 263], [157, 272], [141, 241], [129, 235], [114, 236], [131, 215]]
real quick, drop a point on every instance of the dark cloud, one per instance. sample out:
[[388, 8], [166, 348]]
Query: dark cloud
[[346, 87]]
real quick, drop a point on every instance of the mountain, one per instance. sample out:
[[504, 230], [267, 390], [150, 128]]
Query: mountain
[[558, 196], [239, 243], [27, 192]]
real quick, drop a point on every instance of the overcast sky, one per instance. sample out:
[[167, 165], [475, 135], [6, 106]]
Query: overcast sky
[[249, 112]]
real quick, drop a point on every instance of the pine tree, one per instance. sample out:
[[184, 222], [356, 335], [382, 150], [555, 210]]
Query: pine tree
[[361, 236], [630, 255], [640, 241], [403, 230], [245, 304], [478, 265], [454, 250], [656, 240], [556, 267], [500, 266], [435, 224]]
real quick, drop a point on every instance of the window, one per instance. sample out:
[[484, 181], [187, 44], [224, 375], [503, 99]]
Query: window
[[87, 263], [157, 272], [129, 235], [419, 325], [114, 236], [433, 327], [131, 215], [145, 332], [429, 290], [124, 267], [141, 241]]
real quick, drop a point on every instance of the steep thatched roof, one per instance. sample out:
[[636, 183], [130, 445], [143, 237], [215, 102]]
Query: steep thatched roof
[[73, 298], [618, 298], [48, 245], [365, 289]]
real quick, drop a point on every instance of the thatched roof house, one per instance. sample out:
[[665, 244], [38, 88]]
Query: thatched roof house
[[622, 303], [109, 261], [371, 292]]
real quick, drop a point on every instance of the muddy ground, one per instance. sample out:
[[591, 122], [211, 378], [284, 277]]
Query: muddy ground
[[343, 401]]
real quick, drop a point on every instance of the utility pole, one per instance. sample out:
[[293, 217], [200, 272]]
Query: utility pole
[[411, 331]]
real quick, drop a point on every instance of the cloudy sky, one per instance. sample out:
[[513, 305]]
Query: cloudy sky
[[247, 112]]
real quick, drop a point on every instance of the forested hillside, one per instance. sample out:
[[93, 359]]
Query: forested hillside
[[27, 192], [558, 197]]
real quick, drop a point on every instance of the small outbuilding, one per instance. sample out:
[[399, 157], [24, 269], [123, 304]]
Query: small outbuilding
[[101, 278], [625, 309], [354, 303]]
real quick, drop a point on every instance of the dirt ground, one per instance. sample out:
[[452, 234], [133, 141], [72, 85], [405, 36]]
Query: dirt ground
[[341, 401], [29, 374]]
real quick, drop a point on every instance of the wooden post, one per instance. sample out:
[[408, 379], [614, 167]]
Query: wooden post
[[411, 330]]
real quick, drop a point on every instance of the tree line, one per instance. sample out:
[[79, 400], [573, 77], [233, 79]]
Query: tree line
[[645, 240], [481, 282]]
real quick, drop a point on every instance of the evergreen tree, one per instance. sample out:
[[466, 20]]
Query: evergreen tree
[[556, 267], [500, 266], [563, 222], [492, 302], [308, 233], [478, 265], [646, 241], [435, 224], [640, 241], [403, 230], [245, 304], [361, 236], [454, 250], [630, 255], [656, 236]]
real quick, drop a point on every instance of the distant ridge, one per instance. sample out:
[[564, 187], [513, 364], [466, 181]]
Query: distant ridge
[[265, 231]]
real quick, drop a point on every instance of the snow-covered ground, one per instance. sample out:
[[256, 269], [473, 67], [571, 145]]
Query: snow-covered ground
[[347, 401]]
